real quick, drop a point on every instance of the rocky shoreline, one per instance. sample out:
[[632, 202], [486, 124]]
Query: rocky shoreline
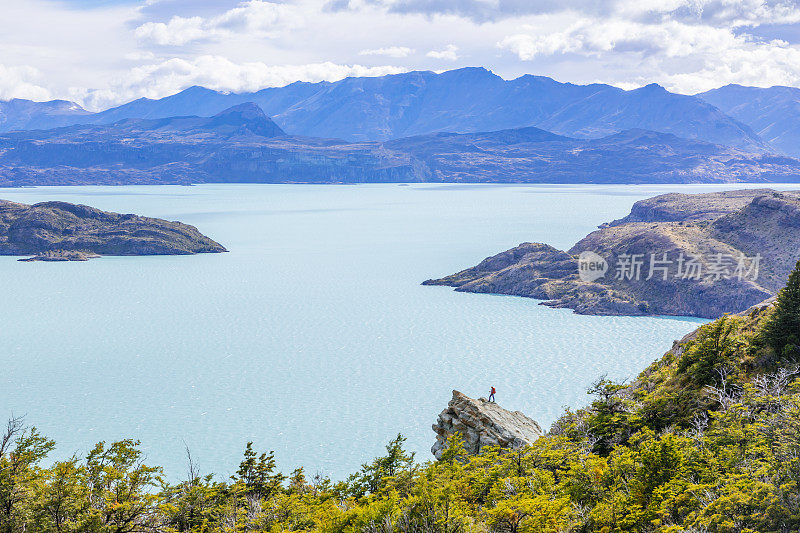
[[54, 256], [699, 255], [60, 231]]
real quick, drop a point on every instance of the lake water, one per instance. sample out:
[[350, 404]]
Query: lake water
[[313, 337]]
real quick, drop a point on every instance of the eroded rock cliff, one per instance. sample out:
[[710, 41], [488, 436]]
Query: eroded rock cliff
[[482, 423]]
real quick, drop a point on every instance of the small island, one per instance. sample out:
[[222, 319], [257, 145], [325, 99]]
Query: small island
[[60, 231]]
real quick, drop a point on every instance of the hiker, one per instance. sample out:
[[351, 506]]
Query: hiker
[[491, 395]]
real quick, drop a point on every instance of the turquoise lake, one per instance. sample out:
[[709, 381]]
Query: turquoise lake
[[313, 337]]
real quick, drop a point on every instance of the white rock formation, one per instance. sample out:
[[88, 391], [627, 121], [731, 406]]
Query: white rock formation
[[482, 423]]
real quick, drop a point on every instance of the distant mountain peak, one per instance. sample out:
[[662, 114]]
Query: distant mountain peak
[[652, 88], [247, 110], [198, 89], [250, 118], [473, 70], [470, 73]]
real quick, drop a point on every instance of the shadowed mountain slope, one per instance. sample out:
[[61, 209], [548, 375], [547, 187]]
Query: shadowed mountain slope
[[773, 113], [242, 144]]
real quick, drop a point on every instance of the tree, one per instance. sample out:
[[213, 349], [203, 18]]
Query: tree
[[257, 474], [715, 347], [22, 448], [62, 498], [608, 420], [455, 450], [120, 487], [369, 479], [192, 503], [782, 330], [297, 481]]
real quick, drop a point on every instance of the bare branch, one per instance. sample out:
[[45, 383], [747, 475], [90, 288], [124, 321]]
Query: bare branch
[[15, 426]]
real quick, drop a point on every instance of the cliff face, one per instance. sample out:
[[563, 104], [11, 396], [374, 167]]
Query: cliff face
[[482, 423], [55, 231], [714, 231]]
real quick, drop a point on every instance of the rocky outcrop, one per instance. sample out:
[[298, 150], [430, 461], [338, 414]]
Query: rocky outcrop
[[677, 207], [482, 423], [60, 231], [714, 231]]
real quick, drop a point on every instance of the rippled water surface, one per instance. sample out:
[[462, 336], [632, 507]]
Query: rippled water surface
[[313, 336]]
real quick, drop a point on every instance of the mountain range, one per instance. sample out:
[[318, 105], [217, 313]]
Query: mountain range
[[462, 125], [416, 103], [242, 144]]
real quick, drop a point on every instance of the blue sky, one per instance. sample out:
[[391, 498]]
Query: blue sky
[[101, 53]]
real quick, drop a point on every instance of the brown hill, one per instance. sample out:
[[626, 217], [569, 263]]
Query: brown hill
[[677, 254]]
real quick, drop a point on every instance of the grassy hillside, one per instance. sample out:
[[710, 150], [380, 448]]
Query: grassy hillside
[[705, 439]]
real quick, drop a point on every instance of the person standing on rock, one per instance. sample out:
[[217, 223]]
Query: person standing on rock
[[491, 395]]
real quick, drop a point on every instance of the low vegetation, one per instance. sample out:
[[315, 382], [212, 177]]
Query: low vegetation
[[705, 439]]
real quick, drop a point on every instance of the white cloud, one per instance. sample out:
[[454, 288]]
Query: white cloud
[[214, 72], [177, 31], [684, 57], [140, 56], [529, 46], [449, 53], [729, 13], [115, 51], [22, 82], [253, 17], [391, 51]]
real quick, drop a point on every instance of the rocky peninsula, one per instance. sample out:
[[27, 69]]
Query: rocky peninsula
[[677, 254], [482, 423], [60, 231]]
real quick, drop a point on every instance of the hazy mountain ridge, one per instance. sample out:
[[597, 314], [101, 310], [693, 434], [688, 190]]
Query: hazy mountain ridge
[[460, 101], [242, 119], [773, 113], [19, 114], [242, 144]]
